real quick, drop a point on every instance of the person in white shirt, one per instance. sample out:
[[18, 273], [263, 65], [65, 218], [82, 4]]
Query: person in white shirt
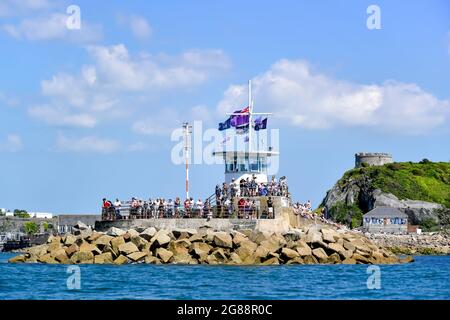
[[199, 207]]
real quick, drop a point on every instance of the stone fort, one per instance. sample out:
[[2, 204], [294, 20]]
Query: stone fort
[[372, 159]]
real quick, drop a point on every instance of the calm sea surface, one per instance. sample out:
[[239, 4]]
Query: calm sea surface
[[426, 278]]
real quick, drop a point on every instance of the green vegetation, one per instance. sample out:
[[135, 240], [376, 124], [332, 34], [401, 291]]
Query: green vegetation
[[30, 228], [21, 213], [351, 215], [426, 180], [47, 226]]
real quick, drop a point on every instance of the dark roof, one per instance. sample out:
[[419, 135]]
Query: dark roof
[[72, 219], [385, 212]]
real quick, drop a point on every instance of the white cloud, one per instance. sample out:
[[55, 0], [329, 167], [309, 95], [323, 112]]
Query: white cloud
[[306, 98], [61, 116], [14, 7], [108, 88], [52, 27], [8, 100], [140, 27], [13, 143], [87, 144], [119, 69]]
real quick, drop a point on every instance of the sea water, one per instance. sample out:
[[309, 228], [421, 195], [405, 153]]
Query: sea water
[[426, 278]]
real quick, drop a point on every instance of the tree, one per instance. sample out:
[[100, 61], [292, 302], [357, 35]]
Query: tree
[[47, 226], [21, 213], [30, 228]]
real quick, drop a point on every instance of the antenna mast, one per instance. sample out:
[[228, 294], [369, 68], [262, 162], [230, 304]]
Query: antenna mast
[[187, 130]]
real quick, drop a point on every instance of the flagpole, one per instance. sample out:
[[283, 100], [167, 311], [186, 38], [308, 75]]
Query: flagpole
[[250, 109]]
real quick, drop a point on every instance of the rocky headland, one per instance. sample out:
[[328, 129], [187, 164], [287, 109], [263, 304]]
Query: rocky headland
[[420, 190], [308, 245]]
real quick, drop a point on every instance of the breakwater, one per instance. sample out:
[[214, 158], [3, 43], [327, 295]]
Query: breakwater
[[308, 245]]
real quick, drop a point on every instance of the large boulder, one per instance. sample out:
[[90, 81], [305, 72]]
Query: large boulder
[[219, 255], [329, 235], [88, 247], [69, 239], [72, 249], [223, 239], [293, 235], [115, 243], [121, 260], [83, 233], [246, 249], [183, 259], [313, 236], [152, 260], [200, 249], [137, 256], [320, 254], [140, 242], [288, 254], [340, 250], [103, 241], [160, 239], [164, 254], [198, 237], [271, 244], [271, 261], [17, 259], [115, 232], [178, 247], [180, 233], [94, 236], [303, 249], [259, 236], [238, 237], [127, 248], [103, 258], [82, 257], [235, 259], [148, 233], [47, 258], [81, 226]]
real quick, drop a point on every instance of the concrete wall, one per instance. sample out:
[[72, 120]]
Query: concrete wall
[[269, 225]]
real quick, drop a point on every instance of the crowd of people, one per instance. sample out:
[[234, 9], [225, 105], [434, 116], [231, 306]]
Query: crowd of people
[[304, 210], [229, 200]]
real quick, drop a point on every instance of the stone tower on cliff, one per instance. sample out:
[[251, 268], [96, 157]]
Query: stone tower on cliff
[[372, 159]]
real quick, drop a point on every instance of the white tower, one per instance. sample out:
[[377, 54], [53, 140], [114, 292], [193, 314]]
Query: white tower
[[241, 164]]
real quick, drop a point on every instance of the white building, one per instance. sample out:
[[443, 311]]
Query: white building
[[41, 215]]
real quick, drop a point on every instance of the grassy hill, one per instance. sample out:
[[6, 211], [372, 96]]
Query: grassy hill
[[426, 181]]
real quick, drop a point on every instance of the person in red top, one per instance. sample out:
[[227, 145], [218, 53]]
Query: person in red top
[[105, 212], [241, 207], [106, 203]]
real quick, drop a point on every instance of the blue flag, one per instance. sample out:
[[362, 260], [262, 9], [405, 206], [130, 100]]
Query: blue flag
[[260, 124], [225, 125]]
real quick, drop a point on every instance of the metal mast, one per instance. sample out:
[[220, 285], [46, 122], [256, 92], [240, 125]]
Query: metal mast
[[187, 130]]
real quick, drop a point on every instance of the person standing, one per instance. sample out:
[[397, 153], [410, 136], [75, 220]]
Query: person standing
[[270, 208]]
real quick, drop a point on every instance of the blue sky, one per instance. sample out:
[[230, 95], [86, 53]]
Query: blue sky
[[88, 113]]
